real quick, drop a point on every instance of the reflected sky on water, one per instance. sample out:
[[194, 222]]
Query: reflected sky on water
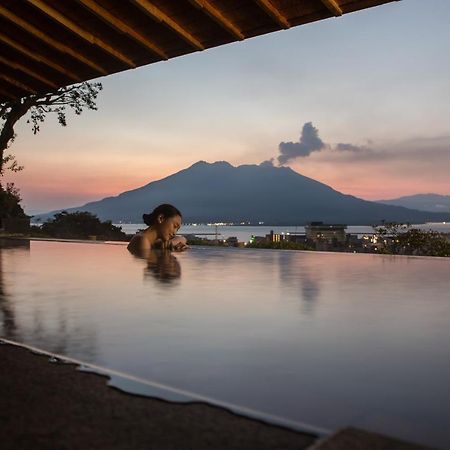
[[327, 339]]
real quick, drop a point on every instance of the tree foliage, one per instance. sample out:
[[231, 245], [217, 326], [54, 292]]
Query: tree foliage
[[10, 202], [76, 98], [80, 225], [402, 239]]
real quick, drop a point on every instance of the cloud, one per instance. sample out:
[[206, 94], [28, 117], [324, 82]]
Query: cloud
[[412, 153], [352, 152], [309, 142], [350, 148], [418, 151]]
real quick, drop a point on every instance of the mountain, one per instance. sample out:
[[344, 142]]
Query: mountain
[[423, 202], [220, 192]]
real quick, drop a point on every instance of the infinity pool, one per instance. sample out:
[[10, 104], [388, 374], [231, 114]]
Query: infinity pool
[[326, 339]]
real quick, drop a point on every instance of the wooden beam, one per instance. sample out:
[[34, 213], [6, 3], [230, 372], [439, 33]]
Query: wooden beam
[[273, 12], [333, 7], [121, 26], [18, 84], [49, 40], [218, 17], [26, 70], [158, 15], [39, 58], [79, 31], [7, 95]]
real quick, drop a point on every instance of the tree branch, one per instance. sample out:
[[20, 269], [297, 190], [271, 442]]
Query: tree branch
[[78, 97]]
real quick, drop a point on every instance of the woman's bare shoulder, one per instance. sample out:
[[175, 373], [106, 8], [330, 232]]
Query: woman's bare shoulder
[[135, 244]]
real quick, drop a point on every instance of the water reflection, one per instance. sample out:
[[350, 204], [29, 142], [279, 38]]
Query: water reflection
[[9, 327], [163, 266], [8, 316], [310, 291], [21, 244], [53, 330], [60, 334], [299, 275]]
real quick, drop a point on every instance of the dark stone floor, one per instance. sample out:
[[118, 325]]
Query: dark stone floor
[[53, 406]]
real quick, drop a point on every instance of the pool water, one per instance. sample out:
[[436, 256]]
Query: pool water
[[329, 339]]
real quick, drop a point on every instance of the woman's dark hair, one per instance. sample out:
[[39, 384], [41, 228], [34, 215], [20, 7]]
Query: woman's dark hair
[[165, 209]]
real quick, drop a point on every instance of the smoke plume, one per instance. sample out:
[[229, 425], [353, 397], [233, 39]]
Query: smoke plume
[[309, 142]]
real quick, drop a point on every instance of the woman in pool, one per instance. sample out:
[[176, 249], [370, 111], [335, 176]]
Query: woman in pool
[[163, 224]]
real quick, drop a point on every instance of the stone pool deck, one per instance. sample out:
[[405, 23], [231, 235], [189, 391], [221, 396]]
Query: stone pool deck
[[53, 406]]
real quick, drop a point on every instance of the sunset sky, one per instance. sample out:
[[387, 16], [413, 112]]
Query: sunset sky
[[371, 89]]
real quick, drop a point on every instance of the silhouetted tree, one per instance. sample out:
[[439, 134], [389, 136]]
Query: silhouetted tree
[[77, 97], [10, 202], [80, 225], [404, 240]]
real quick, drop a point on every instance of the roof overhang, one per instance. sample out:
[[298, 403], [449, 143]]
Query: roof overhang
[[46, 44]]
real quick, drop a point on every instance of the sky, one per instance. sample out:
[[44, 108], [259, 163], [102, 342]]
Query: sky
[[360, 103]]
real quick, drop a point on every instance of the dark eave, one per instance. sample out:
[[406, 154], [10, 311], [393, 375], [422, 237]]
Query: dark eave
[[45, 44]]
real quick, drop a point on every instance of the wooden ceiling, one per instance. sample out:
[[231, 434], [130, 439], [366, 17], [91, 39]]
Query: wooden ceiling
[[46, 44]]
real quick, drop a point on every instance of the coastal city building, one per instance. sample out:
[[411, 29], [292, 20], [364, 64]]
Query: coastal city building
[[332, 233]]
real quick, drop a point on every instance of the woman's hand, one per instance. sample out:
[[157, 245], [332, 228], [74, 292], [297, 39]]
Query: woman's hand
[[178, 244]]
